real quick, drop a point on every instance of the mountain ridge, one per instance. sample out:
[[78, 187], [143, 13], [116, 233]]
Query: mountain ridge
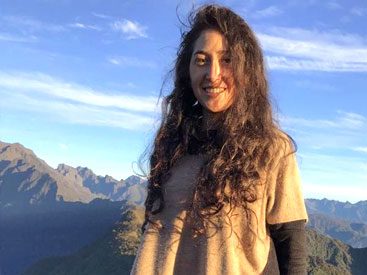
[[27, 179]]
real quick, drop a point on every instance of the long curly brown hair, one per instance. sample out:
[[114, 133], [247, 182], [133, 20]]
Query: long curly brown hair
[[241, 148]]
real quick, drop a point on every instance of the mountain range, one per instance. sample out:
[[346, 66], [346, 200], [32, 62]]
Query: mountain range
[[68, 219], [343, 221], [27, 180], [353, 212], [114, 254], [54, 212]]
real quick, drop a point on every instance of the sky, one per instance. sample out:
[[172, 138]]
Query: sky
[[80, 81]]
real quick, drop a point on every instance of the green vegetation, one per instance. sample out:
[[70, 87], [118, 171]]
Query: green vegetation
[[114, 254], [327, 256]]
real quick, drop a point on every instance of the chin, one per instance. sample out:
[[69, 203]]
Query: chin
[[213, 109]]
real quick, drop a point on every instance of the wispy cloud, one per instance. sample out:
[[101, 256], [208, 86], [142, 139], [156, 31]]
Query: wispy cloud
[[343, 133], [344, 173], [295, 49], [23, 28], [126, 61], [333, 5], [27, 25], [83, 26], [344, 120], [75, 103], [32, 25], [47, 85], [327, 154], [17, 38], [333, 36], [358, 11], [285, 63], [270, 11], [76, 113], [130, 29], [360, 149], [101, 15]]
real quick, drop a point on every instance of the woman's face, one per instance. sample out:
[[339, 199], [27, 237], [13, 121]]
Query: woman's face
[[210, 72]]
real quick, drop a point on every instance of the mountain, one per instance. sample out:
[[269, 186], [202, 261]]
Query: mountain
[[354, 234], [33, 233], [85, 206], [356, 212], [113, 254], [133, 189], [340, 220], [25, 179], [54, 212], [330, 256]]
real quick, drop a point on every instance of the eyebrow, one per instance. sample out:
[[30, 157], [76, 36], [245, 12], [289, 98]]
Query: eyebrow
[[206, 53]]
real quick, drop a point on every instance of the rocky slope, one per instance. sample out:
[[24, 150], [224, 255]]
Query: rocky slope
[[340, 220], [353, 212], [26, 179]]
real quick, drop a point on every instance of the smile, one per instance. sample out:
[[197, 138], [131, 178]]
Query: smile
[[212, 90]]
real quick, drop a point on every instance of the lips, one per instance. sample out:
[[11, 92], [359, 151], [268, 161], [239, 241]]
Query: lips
[[214, 90]]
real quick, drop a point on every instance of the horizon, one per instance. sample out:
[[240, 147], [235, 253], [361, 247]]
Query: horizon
[[80, 82]]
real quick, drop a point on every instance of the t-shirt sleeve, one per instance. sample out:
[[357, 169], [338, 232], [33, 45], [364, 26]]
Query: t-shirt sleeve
[[285, 202]]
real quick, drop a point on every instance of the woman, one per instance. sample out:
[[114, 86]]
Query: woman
[[224, 194]]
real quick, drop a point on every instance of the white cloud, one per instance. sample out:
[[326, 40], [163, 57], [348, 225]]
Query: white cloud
[[75, 113], [131, 30], [101, 15], [79, 25], [345, 132], [297, 49], [267, 12], [126, 61], [333, 36], [17, 38], [285, 63], [345, 120], [28, 83], [313, 50], [72, 103], [360, 149], [31, 24]]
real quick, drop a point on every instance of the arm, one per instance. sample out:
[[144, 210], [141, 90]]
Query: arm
[[290, 244]]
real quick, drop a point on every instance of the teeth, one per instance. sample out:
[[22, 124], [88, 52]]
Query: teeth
[[214, 90]]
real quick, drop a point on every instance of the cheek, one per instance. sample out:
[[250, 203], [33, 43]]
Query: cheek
[[195, 77]]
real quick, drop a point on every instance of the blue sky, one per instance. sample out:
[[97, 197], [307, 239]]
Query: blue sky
[[80, 80]]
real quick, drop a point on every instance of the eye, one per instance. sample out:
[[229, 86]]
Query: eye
[[226, 60], [200, 60]]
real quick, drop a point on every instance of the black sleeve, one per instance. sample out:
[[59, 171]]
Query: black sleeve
[[290, 244]]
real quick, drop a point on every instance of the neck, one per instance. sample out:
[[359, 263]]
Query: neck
[[210, 120]]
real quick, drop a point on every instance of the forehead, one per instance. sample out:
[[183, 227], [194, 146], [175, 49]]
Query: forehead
[[210, 41]]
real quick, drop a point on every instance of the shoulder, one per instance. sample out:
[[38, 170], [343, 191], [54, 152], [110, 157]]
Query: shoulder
[[283, 150], [284, 192]]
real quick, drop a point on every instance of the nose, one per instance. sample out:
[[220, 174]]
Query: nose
[[213, 70]]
